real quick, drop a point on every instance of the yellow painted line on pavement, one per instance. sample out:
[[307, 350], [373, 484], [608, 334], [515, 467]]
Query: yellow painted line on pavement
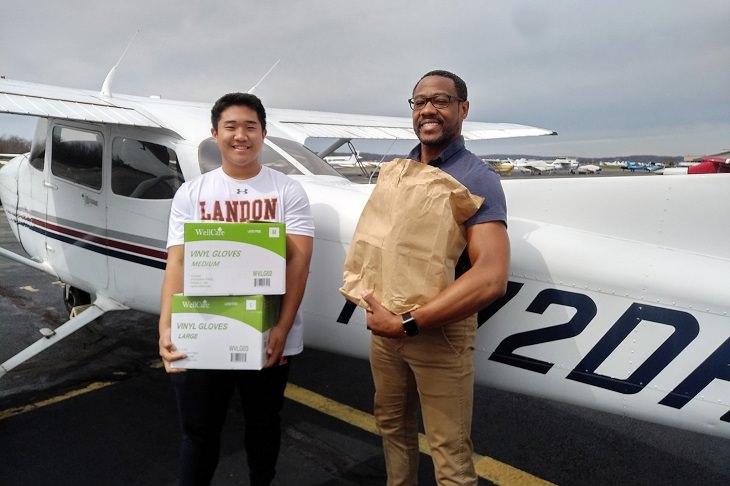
[[493, 470], [12, 412], [490, 469]]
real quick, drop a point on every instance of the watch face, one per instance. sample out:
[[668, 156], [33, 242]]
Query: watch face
[[409, 325]]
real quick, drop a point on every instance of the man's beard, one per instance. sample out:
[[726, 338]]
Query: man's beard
[[447, 135]]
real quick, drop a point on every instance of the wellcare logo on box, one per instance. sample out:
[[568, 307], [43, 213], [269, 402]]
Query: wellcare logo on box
[[210, 232], [202, 305], [234, 258], [223, 332]]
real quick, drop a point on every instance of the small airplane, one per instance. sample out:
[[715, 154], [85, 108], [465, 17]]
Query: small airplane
[[350, 160], [643, 330], [501, 166], [711, 165], [537, 167], [565, 163], [634, 166], [352, 163], [533, 166], [588, 169]]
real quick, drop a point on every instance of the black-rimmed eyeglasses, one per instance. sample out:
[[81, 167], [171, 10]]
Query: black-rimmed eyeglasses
[[439, 101]]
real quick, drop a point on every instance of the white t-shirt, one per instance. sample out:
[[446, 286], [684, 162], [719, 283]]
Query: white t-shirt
[[269, 196]]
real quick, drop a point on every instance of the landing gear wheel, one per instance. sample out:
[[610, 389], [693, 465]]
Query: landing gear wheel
[[74, 297]]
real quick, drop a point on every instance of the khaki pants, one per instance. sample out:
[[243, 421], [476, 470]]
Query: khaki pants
[[436, 368]]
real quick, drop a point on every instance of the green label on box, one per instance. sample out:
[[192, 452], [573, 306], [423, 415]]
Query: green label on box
[[269, 235], [258, 311]]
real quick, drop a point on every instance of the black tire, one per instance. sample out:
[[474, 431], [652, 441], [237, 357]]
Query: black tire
[[73, 297]]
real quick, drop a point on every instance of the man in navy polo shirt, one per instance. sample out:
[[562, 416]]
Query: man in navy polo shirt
[[426, 355]]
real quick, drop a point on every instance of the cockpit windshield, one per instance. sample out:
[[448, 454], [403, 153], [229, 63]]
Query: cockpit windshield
[[280, 154]]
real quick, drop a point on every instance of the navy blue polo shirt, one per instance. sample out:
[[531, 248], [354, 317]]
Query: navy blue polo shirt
[[477, 176]]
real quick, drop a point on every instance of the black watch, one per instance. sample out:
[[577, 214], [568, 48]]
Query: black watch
[[410, 327]]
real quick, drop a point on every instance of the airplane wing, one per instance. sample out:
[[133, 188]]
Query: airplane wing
[[301, 125], [24, 98]]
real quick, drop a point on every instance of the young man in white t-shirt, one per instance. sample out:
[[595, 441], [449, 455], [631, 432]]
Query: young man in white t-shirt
[[258, 193]]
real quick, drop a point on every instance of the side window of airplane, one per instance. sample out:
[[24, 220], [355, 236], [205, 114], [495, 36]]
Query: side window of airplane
[[76, 156], [272, 158], [302, 154], [144, 170]]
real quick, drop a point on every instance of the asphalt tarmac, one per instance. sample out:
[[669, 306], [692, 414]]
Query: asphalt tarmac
[[97, 409]]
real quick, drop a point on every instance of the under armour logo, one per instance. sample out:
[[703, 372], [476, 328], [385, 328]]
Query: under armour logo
[[239, 191]]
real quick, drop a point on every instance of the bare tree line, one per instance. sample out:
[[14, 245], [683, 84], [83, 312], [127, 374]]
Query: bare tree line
[[14, 145]]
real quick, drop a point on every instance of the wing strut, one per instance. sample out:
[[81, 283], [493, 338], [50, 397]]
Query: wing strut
[[100, 306], [334, 146]]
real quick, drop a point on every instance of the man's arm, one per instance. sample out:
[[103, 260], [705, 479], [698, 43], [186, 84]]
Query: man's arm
[[298, 257], [486, 281], [172, 283]]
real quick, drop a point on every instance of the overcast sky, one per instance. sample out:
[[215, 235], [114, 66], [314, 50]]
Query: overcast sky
[[612, 77]]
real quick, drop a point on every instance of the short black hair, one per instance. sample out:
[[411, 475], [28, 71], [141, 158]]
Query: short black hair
[[232, 99], [459, 83]]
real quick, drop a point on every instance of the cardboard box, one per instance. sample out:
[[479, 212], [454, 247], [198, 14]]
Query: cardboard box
[[223, 332], [234, 258]]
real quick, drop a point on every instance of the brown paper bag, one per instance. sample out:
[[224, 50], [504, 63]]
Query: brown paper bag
[[409, 236]]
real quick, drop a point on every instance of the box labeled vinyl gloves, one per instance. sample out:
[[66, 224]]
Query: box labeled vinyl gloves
[[223, 332], [234, 258]]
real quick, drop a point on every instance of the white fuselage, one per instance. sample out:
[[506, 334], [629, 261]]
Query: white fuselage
[[619, 294]]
